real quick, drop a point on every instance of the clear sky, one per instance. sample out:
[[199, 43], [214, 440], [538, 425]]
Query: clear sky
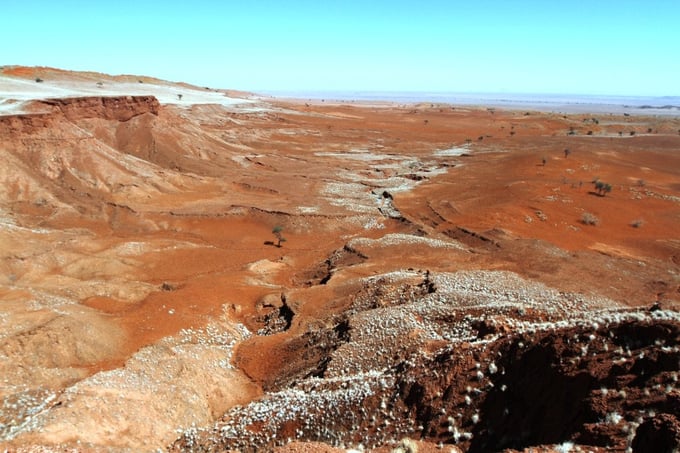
[[611, 47]]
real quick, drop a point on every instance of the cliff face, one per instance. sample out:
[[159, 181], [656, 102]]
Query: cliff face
[[12, 125], [118, 108], [64, 146], [121, 108]]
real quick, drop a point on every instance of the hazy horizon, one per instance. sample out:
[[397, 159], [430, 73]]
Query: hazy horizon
[[500, 95], [608, 47], [565, 103]]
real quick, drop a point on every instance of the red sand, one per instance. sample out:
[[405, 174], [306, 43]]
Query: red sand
[[207, 186]]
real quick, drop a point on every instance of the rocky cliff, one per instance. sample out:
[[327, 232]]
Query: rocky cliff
[[120, 108]]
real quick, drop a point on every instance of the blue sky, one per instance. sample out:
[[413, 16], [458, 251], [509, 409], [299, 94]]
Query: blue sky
[[620, 47]]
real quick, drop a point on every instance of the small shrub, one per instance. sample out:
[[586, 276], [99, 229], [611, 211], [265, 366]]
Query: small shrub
[[278, 232], [637, 223], [589, 219], [602, 187], [168, 287], [38, 80]]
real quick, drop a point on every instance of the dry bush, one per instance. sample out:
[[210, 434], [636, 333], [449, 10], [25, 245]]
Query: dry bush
[[589, 219], [637, 223]]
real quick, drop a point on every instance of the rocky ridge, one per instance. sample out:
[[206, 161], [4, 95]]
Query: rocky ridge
[[474, 363]]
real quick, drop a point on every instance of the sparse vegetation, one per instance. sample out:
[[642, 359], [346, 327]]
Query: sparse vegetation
[[278, 232], [168, 287], [589, 219], [602, 188], [637, 223]]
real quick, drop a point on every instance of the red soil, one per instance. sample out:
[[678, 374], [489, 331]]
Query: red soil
[[206, 187]]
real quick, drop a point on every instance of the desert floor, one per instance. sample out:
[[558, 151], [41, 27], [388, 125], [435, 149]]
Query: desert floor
[[145, 304]]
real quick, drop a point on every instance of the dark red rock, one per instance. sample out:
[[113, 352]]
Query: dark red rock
[[660, 434], [120, 108]]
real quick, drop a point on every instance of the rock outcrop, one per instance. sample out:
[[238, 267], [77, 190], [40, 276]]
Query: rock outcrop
[[119, 108], [46, 112]]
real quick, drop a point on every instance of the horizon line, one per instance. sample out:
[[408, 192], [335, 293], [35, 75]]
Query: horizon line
[[455, 92]]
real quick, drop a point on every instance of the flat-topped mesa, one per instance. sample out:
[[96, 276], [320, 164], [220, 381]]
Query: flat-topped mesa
[[121, 108]]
